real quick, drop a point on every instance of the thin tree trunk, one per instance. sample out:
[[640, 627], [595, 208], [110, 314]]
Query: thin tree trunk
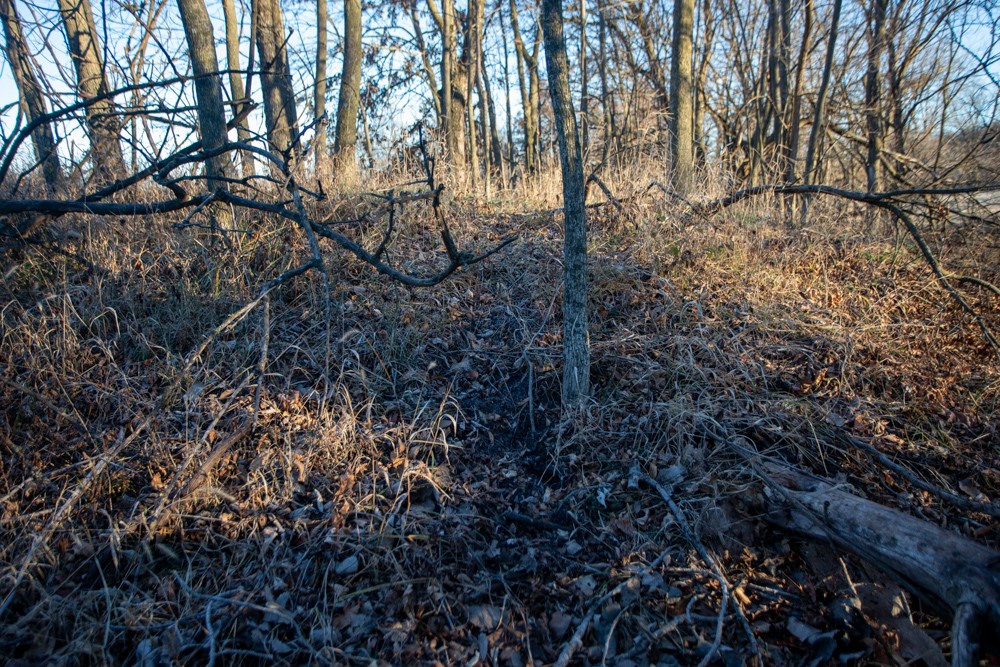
[[208, 89], [794, 123], [576, 343], [680, 98], [607, 104], [819, 115], [700, 96], [818, 131], [506, 85], [873, 111], [485, 109], [447, 69], [102, 127], [236, 88], [418, 33], [276, 79], [346, 159], [319, 97], [32, 101], [529, 90], [496, 150], [471, 48], [584, 96]]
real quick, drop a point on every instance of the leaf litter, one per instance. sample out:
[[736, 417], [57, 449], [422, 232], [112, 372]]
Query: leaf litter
[[411, 493]]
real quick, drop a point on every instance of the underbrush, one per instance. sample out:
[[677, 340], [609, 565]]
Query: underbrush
[[382, 472]]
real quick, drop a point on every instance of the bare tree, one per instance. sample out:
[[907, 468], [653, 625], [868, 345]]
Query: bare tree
[[819, 114], [576, 341], [30, 92], [276, 77], [208, 88], [584, 93], [527, 66], [236, 88], [319, 90], [681, 133], [873, 111], [346, 161], [102, 126], [473, 40], [794, 123]]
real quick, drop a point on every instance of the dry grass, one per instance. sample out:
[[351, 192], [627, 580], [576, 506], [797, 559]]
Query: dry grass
[[410, 492]]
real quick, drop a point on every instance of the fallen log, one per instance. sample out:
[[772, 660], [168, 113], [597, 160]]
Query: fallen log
[[941, 567]]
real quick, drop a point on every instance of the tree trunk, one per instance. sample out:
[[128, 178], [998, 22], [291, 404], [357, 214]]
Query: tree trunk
[[208, 89], [208, 85], [794, 123], [418, 34], [102, 127], [584, 97], [819, 115], [873, 111], [680, 98], [701, 81], [346, 159], [236, 88], [607, 104], [506, 86], [447, 69], [319, 91], [576, 343], [32, 101], [472, 56], [496, 151], [276, 78], [529, 90]]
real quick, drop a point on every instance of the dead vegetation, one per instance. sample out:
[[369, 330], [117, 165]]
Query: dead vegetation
[[387, 476]]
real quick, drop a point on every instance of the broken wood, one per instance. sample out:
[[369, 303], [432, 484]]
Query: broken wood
[[939, 566]]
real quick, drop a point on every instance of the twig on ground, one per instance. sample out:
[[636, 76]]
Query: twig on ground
[[712, 563], [576, 641]]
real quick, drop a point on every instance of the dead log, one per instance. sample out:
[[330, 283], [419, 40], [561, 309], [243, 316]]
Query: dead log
[[939, 566]]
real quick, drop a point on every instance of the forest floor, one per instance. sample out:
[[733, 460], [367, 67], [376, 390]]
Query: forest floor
[[395, 481]]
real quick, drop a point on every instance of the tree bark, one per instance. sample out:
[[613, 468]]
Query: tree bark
[[940, 566], [276, 78], [794, 123], [208, 89], [319, 91], [236, 88], [873, 111], [418, 35], [472, 40], [102, 127], [584, 95], [819, 114], [506, 86], [576, 343], [345, 154], [447, 70], [607, 103], [680, 98], [496, 150], [529, 90], [30, 92], [701, 80]]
